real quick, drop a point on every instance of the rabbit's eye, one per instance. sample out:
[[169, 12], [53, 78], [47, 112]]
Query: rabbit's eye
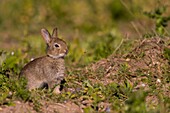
[[56, 45]]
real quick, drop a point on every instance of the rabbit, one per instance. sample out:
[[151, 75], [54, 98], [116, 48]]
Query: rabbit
[[47, 70]]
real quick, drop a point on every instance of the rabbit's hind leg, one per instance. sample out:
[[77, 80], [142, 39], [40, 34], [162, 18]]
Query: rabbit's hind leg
[[36, 85]]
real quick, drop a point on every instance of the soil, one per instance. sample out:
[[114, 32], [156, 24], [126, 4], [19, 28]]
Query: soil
[[47, 107]]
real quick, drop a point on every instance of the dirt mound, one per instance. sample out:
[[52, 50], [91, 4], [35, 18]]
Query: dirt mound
[[147, 56], [146, 67], [146, 61]]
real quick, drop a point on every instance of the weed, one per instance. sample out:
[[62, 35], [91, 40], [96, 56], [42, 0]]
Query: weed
[[10, 86], [136, 102], [167, 53], [161, 22]]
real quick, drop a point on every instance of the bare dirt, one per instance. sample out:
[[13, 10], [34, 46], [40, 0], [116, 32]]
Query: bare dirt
[[47, 107]]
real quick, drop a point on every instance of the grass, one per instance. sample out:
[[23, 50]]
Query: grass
[[101, 61]]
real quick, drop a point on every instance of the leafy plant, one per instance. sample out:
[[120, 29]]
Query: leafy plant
[[136, 102], [10, 86], [167, 53], [161, 21]]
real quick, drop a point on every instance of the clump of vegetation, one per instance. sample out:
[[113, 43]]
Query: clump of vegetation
[[103, 46], [10, 87], [161, 21]]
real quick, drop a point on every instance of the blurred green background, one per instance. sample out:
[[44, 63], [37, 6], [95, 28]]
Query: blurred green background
[[93, 29]]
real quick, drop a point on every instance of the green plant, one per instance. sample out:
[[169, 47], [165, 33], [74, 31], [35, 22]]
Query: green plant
[[161, 21], [10, 86], [136, 102], [167, 53]]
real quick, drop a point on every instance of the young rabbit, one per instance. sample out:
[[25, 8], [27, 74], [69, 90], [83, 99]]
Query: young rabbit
[[47, 70]]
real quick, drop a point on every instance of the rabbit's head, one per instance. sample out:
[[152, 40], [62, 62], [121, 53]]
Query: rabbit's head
[[56, 47]]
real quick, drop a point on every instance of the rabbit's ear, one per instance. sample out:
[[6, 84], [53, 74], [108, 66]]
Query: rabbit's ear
[[46, 35], [55, 33]]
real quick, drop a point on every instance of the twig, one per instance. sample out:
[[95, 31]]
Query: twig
[[136, 29], [119, 45], [124, 4], [167, 31]]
